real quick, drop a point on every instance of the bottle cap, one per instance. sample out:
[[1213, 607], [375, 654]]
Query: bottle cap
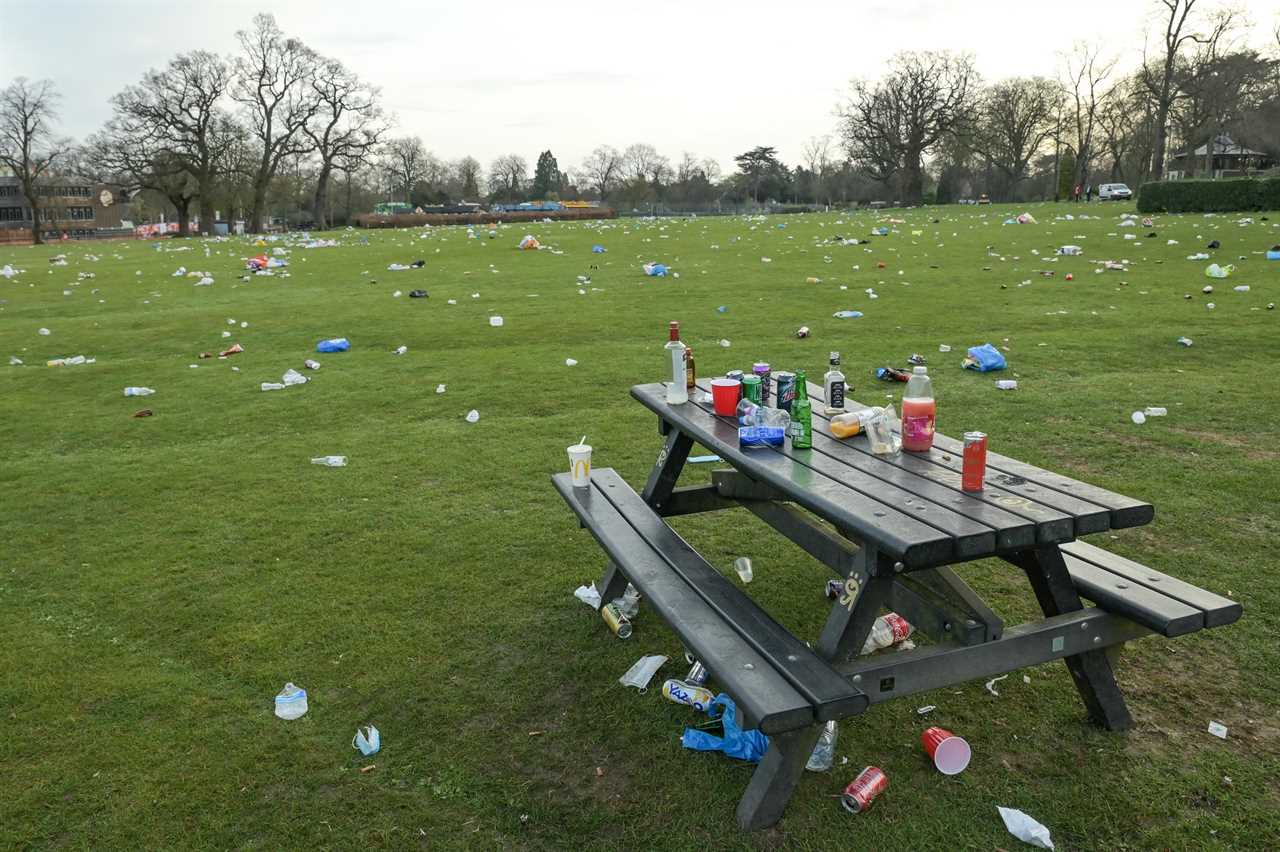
[[920, 371], [674, 327], [835, 357]]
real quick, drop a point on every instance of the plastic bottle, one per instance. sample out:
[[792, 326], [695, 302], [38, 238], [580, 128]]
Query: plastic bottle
[[331, 461], [291, 703], [743, 566], [888, 630], [918, 412], [824, 753], [138, 391], [677, 389]]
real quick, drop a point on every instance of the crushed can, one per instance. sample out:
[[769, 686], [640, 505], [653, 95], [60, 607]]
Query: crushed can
[[835, 588], [618, 623], [697, 697], [697, 675], [862, 791]]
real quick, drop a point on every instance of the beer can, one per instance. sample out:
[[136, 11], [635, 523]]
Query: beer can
[[786, 389], [751, 389], [857, 797], [697, 675], [735, 375], [761, 369], [975, 461], [618, 623], [835, 588], [697, 697]]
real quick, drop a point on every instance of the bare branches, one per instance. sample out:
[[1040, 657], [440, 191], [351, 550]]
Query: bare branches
[[1016, 118], [28, 148], [345, 128], [1085, 72], [601, 170]]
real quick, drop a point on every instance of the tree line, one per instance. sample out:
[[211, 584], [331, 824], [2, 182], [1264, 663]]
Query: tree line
[[278, 128]]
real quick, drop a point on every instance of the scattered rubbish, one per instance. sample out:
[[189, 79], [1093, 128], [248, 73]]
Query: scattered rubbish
[[417, 294], [802, 332], [272, 386], [132, 391], [43, 332], [496, 322], [735, 742], [704, 459], [528, 242], [847, 314], [367, 769], [1156, 411], [1208, 288], [293, 377], [1211, 306], [991, 685], [949, 753], [335, 344], [618, 622], [15, 361], [396, 294], [916, 359], [1138, 417], [440, 388], [1241, 288], [1218, 729], [311, 365], [655, 270], [1185, 341], [1198, 256], [1214, 244], [824, 753], [743, 566], [879, 429], [926, 709], [984, 359], [291, 703], [571, 362], [725, 344], [1025, 828], [892, 374], [813, 280], [367, 740], [331, 461], [400, 350], [473, 416], [589, 595], [233, 349], [942, 347], [143, 412], [1006, 384], [864, 789], [597, 249], [1216, 271], [1070, 250], [888, 630], [642, 671]]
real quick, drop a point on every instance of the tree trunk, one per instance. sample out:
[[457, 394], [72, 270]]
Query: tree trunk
[[259, 204], [322, 191], [348, 217], [913, 183], [206, 212], [183, 206], [35, 216], [1162, 121]]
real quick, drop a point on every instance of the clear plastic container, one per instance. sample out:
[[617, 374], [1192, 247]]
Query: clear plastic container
[[824, 753], [291, 703]]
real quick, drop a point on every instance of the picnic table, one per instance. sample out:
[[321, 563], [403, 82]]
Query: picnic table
[[891, 527]]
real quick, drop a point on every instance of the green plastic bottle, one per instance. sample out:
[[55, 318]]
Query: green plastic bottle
[[801, 416]]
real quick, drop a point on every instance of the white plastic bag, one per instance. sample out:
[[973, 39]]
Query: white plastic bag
[[1025, 828]]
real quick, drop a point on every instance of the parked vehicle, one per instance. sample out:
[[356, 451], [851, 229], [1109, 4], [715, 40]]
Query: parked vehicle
[[1114, 192]]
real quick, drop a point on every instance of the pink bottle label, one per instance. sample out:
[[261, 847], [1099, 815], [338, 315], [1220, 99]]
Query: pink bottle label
[[917, 429]]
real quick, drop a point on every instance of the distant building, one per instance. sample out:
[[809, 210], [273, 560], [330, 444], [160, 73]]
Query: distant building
[[74, 206], [1229, 160]]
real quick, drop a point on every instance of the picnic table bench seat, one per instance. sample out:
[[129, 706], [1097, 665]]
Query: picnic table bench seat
[[777, 681]]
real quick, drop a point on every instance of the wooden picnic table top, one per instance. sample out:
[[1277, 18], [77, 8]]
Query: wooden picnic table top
[[910, 506]]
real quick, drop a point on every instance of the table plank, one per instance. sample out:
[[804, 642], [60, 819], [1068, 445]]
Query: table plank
[[896, 533], [1022, 490]]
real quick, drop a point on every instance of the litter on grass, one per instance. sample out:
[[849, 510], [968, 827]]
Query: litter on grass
[[1025, 828]]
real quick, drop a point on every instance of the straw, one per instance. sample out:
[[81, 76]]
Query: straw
[[582, 440]]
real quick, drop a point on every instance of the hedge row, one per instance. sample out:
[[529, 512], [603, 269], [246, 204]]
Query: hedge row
[[1209, 196]]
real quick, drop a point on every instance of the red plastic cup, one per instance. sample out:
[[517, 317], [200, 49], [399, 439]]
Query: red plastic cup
[[949, 753], [724, 395]]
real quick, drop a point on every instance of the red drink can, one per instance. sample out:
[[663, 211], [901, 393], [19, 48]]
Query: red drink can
[[857, 797], [975, 461]]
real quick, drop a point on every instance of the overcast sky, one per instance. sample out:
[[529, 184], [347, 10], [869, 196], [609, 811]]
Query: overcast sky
[[489, 78]]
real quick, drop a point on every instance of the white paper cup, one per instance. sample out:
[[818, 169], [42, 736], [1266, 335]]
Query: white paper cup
[[580, 465]]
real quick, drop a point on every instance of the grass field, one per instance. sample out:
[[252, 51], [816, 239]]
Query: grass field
[[162, 578]]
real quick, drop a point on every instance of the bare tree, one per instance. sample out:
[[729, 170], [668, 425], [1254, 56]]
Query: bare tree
[[890, 125], [817, 157], [348, 124], [642, 162], [28, 147], [601, 170], [507, 176], [173, 119], [272, 83], [403, 160], [467, 176], [132, 163], [1086, 74], [1016, 117]]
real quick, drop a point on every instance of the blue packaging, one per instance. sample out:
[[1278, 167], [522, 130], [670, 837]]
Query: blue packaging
[[761, 436], [336, 344]]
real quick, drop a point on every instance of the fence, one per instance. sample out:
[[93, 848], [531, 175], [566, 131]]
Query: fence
[[417, 220]]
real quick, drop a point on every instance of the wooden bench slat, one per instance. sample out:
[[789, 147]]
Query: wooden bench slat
[[1218, 610], [831, 694], [1063, 516], [1117, 594], [895, 533], [764, 695]]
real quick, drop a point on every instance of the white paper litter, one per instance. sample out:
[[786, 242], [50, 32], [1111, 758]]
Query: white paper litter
[[991, 685], [440, 388], [571, 362], [1006, 384], [473, 416], [642, 671], [496, 322], [1218, 729], [926, 709], [589, 595], [1025, 828]]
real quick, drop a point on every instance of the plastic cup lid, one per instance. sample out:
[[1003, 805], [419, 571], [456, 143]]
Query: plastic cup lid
[[580, 448]]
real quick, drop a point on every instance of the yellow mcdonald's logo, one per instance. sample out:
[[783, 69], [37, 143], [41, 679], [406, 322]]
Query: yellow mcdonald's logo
[[585, 465]]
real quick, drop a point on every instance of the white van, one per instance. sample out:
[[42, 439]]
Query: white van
[[1114, 192]]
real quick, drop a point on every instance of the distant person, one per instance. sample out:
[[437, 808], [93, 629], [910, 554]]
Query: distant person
[[1075, 193], [1088, 192]]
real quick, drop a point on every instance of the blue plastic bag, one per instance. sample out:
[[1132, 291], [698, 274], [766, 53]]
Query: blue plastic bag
[[336, 344], [984, 359], [597, 249], [744, 745]]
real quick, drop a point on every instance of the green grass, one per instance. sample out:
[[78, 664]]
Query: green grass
[[161, 578]]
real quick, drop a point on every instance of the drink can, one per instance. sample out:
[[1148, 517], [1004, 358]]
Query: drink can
[[697, 697], [697, 675], [975, 461], [751, 389], [736, 375], [857, 797], [761, 369], [618, 623], [835, 588], [786, 389]]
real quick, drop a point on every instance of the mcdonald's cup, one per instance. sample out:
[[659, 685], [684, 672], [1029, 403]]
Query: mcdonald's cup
[[580, 465]]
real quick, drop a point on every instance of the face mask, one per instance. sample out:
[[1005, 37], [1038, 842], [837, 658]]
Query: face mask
[[642, 672], [367, 740]]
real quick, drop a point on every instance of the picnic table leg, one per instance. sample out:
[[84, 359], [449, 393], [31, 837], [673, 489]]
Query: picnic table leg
[[855, 612], [612, 584], [1091, 670], [666, 470], [776, 777]]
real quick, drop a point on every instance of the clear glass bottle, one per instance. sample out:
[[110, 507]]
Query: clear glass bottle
[[677, 388], [833, 387]]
